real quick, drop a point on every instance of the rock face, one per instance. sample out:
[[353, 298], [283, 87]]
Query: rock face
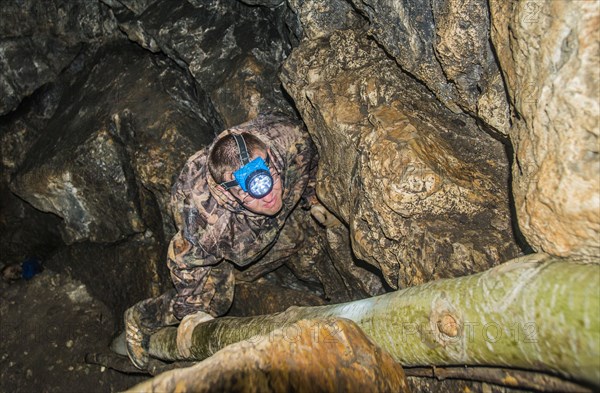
[[105, 162], [445, 44], [549, 56], [39, 39], [238, 70], [422, 190]]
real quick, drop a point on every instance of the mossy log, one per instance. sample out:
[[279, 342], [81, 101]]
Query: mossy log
[[535, 312], [324, 355]]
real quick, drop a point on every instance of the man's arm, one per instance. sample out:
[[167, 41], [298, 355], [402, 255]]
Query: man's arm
[[202, 281], [196, 285]]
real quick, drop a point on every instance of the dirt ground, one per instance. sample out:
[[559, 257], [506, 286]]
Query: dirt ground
[[47, 326]]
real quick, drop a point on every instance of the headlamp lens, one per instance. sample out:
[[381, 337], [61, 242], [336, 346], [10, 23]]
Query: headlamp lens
[[259, 184]]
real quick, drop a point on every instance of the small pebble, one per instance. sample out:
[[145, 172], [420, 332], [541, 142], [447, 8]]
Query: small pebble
[[69, 343], [71, 368], [29, 373], [102, 369]]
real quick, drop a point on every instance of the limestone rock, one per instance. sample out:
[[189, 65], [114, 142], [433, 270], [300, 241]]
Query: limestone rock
[[27, 64], [232, 51], [20, 129], [106, 159], [360, 278], [325, 355], [445, 44], [549, 54], [39, 39], [422, 190], [266, 3], [319, 18], [135, 6]]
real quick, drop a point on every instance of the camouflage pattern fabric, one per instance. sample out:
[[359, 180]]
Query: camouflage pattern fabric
[[216, 234]]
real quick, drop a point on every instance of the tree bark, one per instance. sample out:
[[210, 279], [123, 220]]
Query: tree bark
[[324, 355], [534, 312]]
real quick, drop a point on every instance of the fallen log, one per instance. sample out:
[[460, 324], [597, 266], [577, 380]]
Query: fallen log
[[533, 313], [327, 355]]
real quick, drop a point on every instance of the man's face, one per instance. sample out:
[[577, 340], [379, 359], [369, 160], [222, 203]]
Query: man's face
[[269, 205]]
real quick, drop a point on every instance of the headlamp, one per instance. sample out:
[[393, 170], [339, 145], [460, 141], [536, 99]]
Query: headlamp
[[253, 177]]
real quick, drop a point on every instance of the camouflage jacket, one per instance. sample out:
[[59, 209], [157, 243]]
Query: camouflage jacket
[[215, 232]]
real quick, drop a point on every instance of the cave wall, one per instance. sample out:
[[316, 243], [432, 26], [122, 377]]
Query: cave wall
[[41, 39], [422, 190], [526, 72], [549, 56], [444, 128]]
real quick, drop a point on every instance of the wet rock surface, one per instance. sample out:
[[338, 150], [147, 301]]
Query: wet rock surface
[[232, 51], [550, 62], [40, 39], [422, 189]]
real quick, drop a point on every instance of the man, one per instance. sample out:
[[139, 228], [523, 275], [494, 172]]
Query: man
[[230, 204]]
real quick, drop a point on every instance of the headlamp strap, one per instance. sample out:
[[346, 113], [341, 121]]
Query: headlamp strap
[[241, 143], [244, 158]]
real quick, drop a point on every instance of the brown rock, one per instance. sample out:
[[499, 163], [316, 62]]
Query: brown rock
[[261, 297], [422, 190], [445, 44], [549, 54], [320, 18]]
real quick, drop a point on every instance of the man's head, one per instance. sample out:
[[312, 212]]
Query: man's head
[[224, 159]]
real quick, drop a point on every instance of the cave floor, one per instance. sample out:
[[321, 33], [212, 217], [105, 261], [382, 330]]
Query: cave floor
[[47, 326]]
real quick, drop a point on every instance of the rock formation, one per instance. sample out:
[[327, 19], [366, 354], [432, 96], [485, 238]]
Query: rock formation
[[549, 56], [422, 190], [453, 135]]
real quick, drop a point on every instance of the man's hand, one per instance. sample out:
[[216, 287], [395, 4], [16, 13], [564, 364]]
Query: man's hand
[[324, 216], [185, 330]]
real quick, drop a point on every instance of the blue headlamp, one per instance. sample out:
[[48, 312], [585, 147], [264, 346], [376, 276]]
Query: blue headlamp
[[253, 177]]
